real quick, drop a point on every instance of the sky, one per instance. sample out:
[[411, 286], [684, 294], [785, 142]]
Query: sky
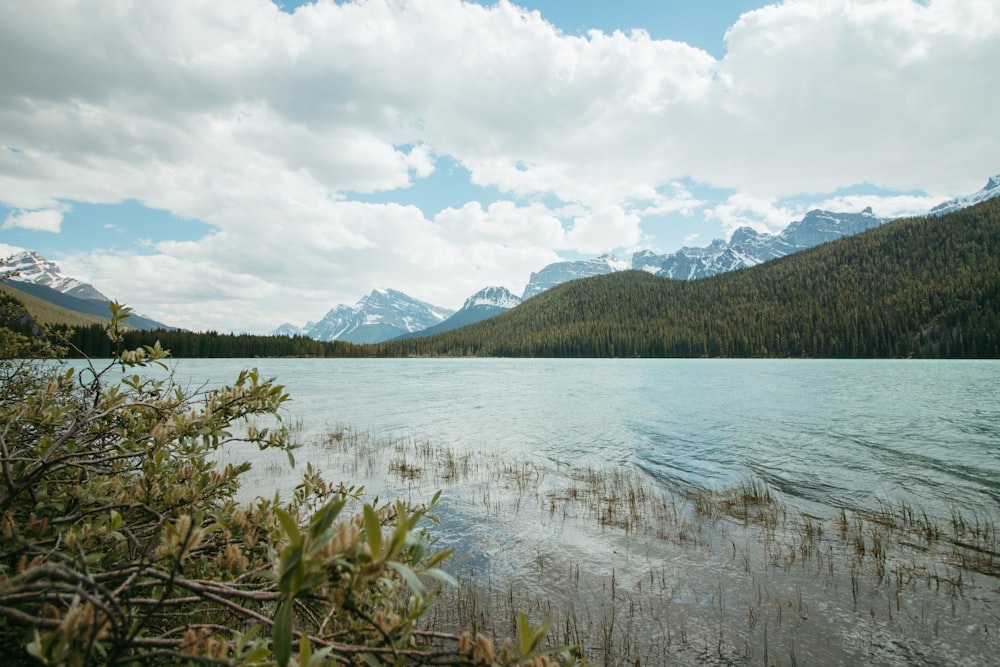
[[237, 164]]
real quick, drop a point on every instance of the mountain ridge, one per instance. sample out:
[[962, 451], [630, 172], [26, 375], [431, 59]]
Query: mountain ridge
[[31, 267], [381, 315], [484, 304], [385, 319], [925, 286], [41, 278]]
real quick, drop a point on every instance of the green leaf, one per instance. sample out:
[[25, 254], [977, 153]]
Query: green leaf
[[289, 524], [319, 656], [528, 637], [411, 578], [321, 523], [256, 655], [373, 530], [282, 633], [291, 570], [305, 650], [524, 634]]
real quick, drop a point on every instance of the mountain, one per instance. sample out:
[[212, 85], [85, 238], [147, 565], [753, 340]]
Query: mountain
[[37, 270], [989, 191], [747, 247], [379, 316], [561, 272], [44, 312], [290, 330], [927, 286], [482, 305], [42, 279], [94, 307]]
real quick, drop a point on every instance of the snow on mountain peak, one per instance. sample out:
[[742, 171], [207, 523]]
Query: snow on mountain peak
[[32, 267], [499, 297], [989, 191], [380, 315], [561, 272]]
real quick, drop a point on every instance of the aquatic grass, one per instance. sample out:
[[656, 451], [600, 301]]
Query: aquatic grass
[[688, 575], [749, 501]]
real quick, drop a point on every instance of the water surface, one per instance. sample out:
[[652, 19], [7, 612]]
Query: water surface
[[835, 433]]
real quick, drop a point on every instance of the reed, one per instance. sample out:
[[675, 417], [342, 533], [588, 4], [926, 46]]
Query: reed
[[640, 572]]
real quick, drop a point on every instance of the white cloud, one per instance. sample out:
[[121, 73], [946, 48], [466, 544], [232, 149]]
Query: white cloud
[[46, 220], [824, 93], [8, 250], [763, 215], [891, 206], [265, 124]]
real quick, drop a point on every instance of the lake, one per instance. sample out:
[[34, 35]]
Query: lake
[[877, 548], [834, 433]]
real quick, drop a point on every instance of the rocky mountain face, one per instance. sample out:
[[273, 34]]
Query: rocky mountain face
[[484, 304], [745, 248], [379, 316], [989, 191], [42, 278], [37, 270], [387, 314], [490, 298], [562, 272], [748, 247], [290, 330]]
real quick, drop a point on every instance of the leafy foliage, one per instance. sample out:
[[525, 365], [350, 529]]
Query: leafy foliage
[[122, 541], [923, 287]]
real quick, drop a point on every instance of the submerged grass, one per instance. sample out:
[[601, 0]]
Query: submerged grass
[[635, 571]]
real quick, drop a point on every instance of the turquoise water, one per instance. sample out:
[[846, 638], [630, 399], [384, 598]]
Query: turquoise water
[[830, 433], [681, 588]]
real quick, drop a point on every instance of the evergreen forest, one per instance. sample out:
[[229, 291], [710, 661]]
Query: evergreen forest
[[93, 342], [920, 287], [926, 287]]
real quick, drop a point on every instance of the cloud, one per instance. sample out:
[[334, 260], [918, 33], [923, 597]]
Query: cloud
[[823, 93], [269, 126], [763, 215], [46, 220], [884, 206], [8, 250]]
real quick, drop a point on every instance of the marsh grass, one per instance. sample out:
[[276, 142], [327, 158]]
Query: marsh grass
[[637, 571]]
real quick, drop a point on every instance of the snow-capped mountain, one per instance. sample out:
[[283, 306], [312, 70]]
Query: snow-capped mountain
[[379, 316], [991, 190], [490, 298], [35, 269], [290, 330], [484, 304], [562, 272], [747, 247], [42, 279]]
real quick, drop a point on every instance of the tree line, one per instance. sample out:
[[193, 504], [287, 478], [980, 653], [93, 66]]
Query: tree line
[[926, 287], [92, 342], [921, 287]]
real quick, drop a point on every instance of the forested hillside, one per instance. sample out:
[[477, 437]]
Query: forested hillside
[[920, 287]]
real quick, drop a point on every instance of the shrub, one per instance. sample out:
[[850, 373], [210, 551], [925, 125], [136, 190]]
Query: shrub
[[122, 540]]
